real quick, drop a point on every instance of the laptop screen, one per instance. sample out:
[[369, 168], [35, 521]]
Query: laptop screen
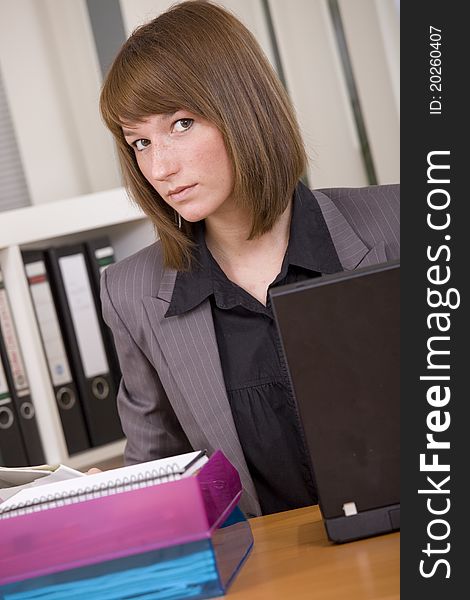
[[341, 337]]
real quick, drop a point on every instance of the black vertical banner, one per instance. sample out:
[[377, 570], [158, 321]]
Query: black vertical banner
[[435, 232]]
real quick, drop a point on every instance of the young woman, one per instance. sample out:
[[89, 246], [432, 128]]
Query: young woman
[[211, 150]]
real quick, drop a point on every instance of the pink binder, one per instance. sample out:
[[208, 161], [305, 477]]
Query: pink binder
[[181, 539]]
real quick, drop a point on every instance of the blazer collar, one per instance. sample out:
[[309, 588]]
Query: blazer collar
[[351, 250], [167, 285]]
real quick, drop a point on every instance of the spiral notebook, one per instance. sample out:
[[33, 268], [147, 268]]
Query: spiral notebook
[[115, 481]]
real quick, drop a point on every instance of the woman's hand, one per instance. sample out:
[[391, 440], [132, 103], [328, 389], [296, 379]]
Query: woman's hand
[[93, 470]]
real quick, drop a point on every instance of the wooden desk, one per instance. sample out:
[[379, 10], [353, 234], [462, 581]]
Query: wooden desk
[[293, 559]]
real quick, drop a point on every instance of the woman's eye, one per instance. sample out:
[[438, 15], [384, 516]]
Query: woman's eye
[[183, 125], [141, 144]]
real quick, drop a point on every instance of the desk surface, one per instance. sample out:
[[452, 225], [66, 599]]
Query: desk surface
[[292, 558]]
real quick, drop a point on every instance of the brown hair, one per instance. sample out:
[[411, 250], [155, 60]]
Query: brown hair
[[199, 57]]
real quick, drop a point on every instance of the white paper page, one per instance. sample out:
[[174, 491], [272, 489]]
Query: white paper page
[[48, 323], [16, 480]]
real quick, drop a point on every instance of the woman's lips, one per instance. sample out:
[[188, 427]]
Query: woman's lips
[[182, 193]]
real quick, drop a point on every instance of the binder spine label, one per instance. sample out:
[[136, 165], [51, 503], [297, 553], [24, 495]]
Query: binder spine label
[[104, 257], [11, 342], [4, 391], [48, 323], [84, 316]]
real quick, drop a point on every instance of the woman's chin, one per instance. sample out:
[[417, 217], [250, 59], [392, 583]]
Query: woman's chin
[[193, 216]]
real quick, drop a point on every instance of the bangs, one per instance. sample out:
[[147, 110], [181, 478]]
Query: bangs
[[145, 81]]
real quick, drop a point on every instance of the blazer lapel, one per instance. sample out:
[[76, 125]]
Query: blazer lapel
[[374, 256], [352, 252], [189, 346]]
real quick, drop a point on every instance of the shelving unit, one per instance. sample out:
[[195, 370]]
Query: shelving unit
[[108, 213]]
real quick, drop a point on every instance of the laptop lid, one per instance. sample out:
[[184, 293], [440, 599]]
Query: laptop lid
[[341, 337]]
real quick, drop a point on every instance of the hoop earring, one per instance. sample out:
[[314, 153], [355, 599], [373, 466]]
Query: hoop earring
[[178, 219]]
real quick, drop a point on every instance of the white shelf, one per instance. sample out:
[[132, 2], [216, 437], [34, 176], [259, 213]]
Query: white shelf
[[109, 213], [74, 215]]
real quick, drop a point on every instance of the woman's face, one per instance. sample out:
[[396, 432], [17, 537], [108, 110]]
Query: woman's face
[[184, 159]]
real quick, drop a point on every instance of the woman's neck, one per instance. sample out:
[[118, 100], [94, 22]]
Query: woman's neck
[[251, 264], [227, 235]]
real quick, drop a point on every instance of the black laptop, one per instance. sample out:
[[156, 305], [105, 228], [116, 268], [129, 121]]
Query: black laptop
[[341, 337]]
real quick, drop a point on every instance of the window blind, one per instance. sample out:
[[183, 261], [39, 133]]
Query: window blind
[[13, 188]]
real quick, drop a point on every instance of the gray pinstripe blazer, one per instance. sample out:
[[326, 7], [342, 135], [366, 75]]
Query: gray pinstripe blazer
[[172, 396]]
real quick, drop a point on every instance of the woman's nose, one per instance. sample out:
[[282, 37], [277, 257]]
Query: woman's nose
[[164, 163]]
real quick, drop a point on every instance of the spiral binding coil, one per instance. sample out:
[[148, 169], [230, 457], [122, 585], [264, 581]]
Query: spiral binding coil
[[171, 472]]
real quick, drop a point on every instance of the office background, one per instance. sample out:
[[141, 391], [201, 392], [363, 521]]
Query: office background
[[53, 53], [59, 180]]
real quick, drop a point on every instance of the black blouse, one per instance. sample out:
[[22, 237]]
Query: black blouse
[[253, 363]]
